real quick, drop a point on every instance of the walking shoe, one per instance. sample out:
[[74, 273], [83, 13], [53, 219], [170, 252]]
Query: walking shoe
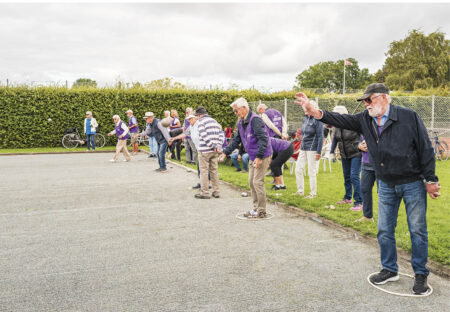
[[200, 196], [112, 160], [420, 284], [251, 214], [158, 169], [163, 170], [197, 186], [238, 169], [358, 207], [383, 277], [364, 219], [215, 195], [298, 193], [275, 187], [282, 187], [149, 156], [244, 171], [310, 196], [126, 160], [344, 201]]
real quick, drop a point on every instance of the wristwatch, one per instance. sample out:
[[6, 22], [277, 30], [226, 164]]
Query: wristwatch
[[430, 182]]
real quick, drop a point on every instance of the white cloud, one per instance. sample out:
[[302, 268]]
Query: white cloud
[[265, 45]]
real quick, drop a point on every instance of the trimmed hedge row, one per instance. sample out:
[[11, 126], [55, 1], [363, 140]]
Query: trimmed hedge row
[[25, 112]]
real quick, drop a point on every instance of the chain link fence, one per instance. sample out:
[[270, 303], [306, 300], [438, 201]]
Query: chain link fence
[[433, 110]]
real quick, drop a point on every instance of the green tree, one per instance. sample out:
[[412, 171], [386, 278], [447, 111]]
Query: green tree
[[164, 84], [329, 75], [84, 82], [418, 62]]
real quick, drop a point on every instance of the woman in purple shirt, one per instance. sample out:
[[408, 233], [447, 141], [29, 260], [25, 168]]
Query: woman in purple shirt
[[282, 151]]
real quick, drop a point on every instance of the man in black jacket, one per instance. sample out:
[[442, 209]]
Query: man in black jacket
[[403, 157]]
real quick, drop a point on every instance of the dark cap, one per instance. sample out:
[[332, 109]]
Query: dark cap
[[200, 111], [373, 88]]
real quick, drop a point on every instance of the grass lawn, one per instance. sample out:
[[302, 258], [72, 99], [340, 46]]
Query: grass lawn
[[330, 187]]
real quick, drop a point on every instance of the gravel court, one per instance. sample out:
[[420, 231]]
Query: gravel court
[[81, 234]]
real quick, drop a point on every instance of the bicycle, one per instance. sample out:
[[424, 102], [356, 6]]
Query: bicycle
[[140, 140], [440, 147], [72, 139]]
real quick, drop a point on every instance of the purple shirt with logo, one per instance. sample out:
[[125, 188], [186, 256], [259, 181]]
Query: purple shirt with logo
[[120, 131], [279, 145], [131, 122], [276, 118]]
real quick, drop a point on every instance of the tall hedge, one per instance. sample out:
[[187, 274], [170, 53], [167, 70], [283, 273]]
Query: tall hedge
[[25, 112]]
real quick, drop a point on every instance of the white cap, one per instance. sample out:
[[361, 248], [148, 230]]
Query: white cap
[[148, 115], [240, 102]]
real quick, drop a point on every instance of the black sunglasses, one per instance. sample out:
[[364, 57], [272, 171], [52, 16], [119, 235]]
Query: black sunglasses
[[369, 100]]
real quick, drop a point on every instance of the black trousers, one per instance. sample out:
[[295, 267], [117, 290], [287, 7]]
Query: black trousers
[[279, 159], [176, 145]]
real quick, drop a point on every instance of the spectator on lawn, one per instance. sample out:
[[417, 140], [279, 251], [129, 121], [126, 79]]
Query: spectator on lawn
[[134, 129], [368, 179], [275, 124], [238, 155], [252, 134], [90, 125], [348, 142], [122, 132], [310, 152], [189, 146], [210, 145], [403, 157], [175, 129], [282, 151]]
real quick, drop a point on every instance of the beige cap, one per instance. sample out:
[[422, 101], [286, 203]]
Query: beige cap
[[148, 115]]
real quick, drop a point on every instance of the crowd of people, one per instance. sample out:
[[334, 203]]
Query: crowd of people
[[386, 144]]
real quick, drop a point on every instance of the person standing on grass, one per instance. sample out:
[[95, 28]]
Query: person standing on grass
[[403, 158], [175, 129], [189, 146], [122, 132], [348, 142], [368, 179], [276, 125], [90, 125], [251, 132], [282, 151], [310, 152], [134, 129], [211, 139], [161, 136]]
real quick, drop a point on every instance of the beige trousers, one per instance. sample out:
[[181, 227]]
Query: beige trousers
[[122, 147], [256, 182], [303, 158], [209, 162]]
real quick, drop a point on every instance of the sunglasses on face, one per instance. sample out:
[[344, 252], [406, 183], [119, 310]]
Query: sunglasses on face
[[369, 100]]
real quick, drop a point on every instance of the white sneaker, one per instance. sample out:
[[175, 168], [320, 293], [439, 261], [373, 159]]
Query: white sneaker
[[125, 160], [112, 160]]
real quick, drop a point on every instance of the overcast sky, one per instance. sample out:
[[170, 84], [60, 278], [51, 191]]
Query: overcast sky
[[260, 45]]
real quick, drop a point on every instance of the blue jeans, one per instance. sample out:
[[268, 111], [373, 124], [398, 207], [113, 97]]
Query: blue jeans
[[153, 145], [414, 196], [245, 158], [162, 149], [90, 141], [367, 181], [351, 167]]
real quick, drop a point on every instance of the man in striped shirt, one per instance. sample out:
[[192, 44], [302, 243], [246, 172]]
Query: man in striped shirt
[[211, 139]]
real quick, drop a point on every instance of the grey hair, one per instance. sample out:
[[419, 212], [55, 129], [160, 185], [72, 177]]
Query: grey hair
[[116, 116], [189, 108], [264, 106], [167, 112], [240, 102], [388, 97], [89, 113]]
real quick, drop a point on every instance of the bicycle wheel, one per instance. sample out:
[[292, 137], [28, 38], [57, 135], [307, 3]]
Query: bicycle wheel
[[442, 151], [145, 142], [100, 140], [70, 140]]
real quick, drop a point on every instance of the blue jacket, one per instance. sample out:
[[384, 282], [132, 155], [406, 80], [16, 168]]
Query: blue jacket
[[402, 153], [312, 135]]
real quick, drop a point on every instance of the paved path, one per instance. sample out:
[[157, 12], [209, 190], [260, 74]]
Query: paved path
[[81, 234]]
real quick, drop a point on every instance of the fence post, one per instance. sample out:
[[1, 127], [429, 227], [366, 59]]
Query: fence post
[[432, 112], [285, 109], [7, 82]]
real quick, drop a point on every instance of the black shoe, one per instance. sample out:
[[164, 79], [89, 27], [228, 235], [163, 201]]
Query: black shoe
[[163, 170], [238, 169], [282, 187], [210, 187], [215, 195], [197, 186], [159, 169], [275, 187], [149, 156], [420, 284], [383, 277], [200, 196]]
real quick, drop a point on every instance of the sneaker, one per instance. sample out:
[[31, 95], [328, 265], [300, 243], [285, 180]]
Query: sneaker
[[282, 187], [275, 187], [238, 169], [126, 160], [112, 160], [420, 284], [163, 170], [383, 277], [215, 195], [344, 201], [158, 169], [244, 171], [201, 196], [310, 196], [149, 156], [251, 214], [298, 193], [262, 214], [358, 207], [198, 186]]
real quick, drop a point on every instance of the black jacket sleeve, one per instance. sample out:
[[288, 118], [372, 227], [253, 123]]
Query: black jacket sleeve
[[261, 135], [425, 152], [234, 144]]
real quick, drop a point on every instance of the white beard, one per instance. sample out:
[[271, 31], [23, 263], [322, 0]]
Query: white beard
[[375, 111]]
